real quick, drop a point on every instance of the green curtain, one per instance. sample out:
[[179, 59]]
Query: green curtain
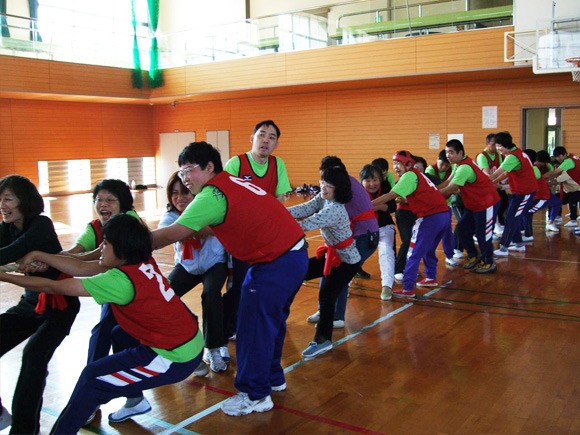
[[155, 74], [3, 23], [33, 9], [136, 74]]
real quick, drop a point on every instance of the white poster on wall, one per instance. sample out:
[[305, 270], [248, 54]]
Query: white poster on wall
[[434, 141], [458, 136], [489, 117]]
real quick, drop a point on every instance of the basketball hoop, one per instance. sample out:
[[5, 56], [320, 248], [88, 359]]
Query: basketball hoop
[[575, 64]]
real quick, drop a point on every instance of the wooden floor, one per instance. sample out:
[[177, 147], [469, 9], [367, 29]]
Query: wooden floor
[[478, 355]]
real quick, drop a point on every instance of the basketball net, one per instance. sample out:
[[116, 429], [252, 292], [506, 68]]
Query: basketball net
[[575, 64]]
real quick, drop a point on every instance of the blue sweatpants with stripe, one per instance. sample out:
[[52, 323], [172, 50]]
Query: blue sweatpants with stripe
[[480, 224], [427, 233], [266, 296], [123, 374], [537, 205], [514, 218]]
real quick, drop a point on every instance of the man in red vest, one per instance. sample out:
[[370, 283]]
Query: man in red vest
[[523, 187], [570, 164], [256, 228]]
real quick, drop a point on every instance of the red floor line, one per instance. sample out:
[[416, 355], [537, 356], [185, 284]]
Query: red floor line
[[329, 421]]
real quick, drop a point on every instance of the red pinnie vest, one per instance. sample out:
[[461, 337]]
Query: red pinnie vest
[[492, 164], [523, 181], [426, 199], [575, 172], [480, 194], [268, 182], [156, 316], [447, 172], [257, 228], [98, 229]]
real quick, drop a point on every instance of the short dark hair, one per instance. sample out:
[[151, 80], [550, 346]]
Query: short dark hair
[[381, 163], [173, 180], [456, 145], [201, 153], [130, 237], [119, 189], [560, 151], [489, 137], [419, 159], [504, 139], [331, 161], [340, 179], [543, 156], [369, 171], [443, 157], [30, 203], [531, 154], [268, 123]]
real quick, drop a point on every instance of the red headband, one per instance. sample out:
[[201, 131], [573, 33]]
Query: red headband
[[403, 159]]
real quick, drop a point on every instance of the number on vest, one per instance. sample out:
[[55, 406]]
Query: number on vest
[[429, 182], [150, 273], [251, 187]]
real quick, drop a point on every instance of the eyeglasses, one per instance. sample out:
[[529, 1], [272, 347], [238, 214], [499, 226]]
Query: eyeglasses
[[185, 171], [106, 200]]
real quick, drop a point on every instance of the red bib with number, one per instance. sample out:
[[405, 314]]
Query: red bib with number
[[156, 316], [257, 228], [426, 199], [268, 182], [480, 194]]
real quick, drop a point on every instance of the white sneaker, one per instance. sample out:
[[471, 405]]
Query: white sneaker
[[458, 254], [399, 277], [215, 360], [451, 261], [241, 404], [527, 239], [225, 354], [126, 413], [501, 252], [5, 419], [558, 220], [498, 229], [336, 324], [201, 370], [90, 419], [279, 387], [386, 293], [314, 318], [516, 248], [571, 224], [552, 227]]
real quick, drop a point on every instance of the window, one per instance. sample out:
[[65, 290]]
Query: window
[[118, 168], [79, 175]]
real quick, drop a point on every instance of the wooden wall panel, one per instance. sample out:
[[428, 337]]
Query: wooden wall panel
[[18, 73], [571, 129], [45, 130], [6, 141]]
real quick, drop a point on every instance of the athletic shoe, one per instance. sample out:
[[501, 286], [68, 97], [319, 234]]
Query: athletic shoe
[[281, 387], [362, 274], [126, 413], [336, 324], [471, 262], [517, 248], [552, 227], [232, 337], [225, 354], [568, 215], [241, 404], [5, 419], [89, 420], [215, 360], [201, 370], [527, 239], [428, 282], [571, 224], [498, 229], [315, 349], [577, 231], [403, 293], [314, 318], [501, 252], [458, 254], [386, 294], [399, 277], [451, 261], [485, 268]]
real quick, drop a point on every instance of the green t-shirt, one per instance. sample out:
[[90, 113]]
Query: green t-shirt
[[283, 186], [511, 163], [88, 239], [115, 287], [462, 174], [482, 161], [537, 173], [568, 164], [407, 184], [209, 207]]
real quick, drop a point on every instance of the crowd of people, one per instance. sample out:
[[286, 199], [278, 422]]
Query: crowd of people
[[230, 217]]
